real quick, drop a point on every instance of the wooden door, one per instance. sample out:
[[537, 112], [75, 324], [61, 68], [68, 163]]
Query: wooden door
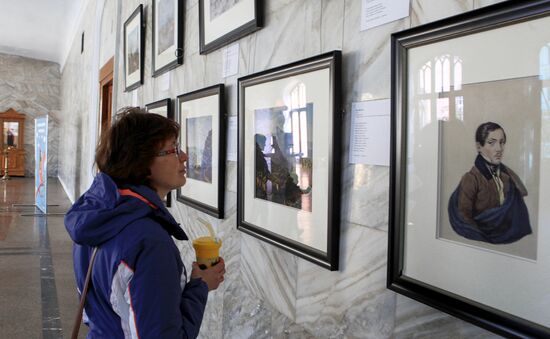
[[12, 142], [106, 95]]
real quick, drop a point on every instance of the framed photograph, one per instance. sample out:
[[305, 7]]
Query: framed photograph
[[202, 117], [168, 23], [470, 143], [289, 157], [222, 22], [164, 108], [134, 43]]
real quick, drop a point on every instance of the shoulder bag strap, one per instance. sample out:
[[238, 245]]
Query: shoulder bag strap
[[78, 320]]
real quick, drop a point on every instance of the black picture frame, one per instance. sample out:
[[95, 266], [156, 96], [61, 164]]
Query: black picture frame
[[169, 55], [202, 117], [134, 35], [234, 23], [271, 194], [164, 108], [417, 252]]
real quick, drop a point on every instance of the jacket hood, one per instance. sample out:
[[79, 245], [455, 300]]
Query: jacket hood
[[102, 212]]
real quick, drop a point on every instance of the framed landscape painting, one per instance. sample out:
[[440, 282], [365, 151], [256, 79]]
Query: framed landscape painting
[[134, 43], [168, 23], [470, 144], [288, 161], [222, 22], [164, 108], [201, 114]]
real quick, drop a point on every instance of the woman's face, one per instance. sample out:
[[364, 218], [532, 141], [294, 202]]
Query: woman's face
[[493, 149], [168, 171]]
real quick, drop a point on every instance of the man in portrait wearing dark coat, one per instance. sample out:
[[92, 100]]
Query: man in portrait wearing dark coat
[[488, 203]]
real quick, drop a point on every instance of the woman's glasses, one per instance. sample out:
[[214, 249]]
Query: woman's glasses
[[176, 150]]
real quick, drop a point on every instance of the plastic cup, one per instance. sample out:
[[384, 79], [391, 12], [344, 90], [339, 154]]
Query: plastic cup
[[207, 250]]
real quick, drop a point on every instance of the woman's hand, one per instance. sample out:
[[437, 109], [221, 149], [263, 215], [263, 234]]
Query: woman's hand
[[212, 276]]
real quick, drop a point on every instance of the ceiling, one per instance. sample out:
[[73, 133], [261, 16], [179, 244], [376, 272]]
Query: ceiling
[[39, 29]]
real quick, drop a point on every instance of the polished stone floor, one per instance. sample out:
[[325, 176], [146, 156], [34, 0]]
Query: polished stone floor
[[37, 290]]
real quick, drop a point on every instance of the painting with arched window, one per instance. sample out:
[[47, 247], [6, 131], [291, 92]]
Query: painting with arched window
[[289, 156], [469, 192]]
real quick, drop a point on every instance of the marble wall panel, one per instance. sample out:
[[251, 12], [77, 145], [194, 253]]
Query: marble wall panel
[[32, 87], [419, 320], [191, 76], [483, 3], [366, 57], [366, 71], [270, 274], [312, 18], [333, 17], [213, 66], [275, 6], [191, 30], [353, 301], [424, 11], [76, 150], [108, 32], [287, 35], [146, 90], [366, 191], [284, 328], [245, 316]]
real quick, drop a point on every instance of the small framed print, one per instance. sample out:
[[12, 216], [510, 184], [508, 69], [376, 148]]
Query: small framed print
[[289, 157], [222, 22], [201, 114], [470, 143], [168, 23], [134, 43], [164, 108]]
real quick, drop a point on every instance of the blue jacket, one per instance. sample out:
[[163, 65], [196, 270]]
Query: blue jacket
[[139, 287]]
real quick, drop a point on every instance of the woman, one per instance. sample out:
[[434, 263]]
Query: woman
[[488, 203], [139, 286]]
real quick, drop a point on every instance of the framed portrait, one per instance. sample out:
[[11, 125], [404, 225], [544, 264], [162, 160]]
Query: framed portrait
[[134, 43], [10, 134], [222, 22], [201, 115], [470, 144], [168, 23], [289, 157], [164, 108]]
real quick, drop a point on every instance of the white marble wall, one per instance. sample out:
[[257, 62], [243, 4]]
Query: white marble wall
[[108, 32], [76, 87], [269, 293], [32, 87]]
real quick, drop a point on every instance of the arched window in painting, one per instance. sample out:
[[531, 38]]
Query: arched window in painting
[[442, 74], [299, 121], [439, 86]]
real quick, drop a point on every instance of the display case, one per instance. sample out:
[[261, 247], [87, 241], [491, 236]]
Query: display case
[[12, 124]]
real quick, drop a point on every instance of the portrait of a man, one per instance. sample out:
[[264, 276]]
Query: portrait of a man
[[488, 203]]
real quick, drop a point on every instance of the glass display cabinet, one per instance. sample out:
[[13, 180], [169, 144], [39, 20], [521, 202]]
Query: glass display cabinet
[[12, 144]]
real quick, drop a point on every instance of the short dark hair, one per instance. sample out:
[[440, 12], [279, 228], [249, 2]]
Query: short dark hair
[[484, 129], [127, 149]]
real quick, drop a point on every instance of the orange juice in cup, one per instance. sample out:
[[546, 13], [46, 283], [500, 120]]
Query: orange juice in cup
[[207, 250]]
